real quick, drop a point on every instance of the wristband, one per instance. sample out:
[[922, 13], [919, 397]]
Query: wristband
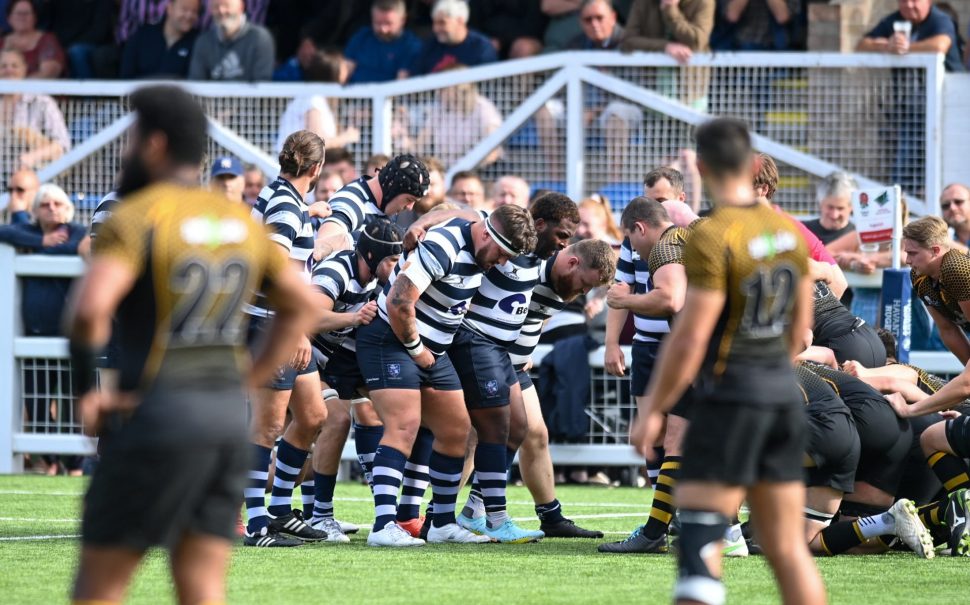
[[416, 351], [83, 367], [413, 344]]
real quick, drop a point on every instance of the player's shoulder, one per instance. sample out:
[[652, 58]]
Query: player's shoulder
[[955, 262]]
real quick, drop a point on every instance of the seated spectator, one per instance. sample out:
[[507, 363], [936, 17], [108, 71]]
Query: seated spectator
[[341, 160], [375, 162], [453, 43], [834, 195], [917, 27], [163, 50], [256, 11], [21, 189], [33, 130], [676, 27], [135, 13], [385, 50], [234, 49], [315, 112], [41, 50], [955, 207], [329, 184], [563, 26], [467, 188], [515, 27], [753, 24], [293, 69], [226, 177], [254, 181], [459, 120], [596, 221], [510, 189], [83, 28]]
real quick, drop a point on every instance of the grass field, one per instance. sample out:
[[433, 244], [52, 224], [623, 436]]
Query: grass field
[[38, 522]]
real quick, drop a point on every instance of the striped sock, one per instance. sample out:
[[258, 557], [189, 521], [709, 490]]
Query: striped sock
[[323, 496], [653, 466], [415, 477], [388, 473], [475, 506], [255, 492], [844, 535], [950, 470], [307, 489], [445, 477], [366, 440], [933, 514], [492, 473], [662, 508], [289, 462]]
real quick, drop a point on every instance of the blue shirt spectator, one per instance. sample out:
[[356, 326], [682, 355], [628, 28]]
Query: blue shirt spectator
[[931, 30], [163, 49], [380, 52], [756, 25], [453, 43]]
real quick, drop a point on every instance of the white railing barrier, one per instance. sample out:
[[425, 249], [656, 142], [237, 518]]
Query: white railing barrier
[[609, 448]]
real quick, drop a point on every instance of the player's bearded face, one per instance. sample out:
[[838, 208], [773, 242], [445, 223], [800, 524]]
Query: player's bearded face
[[134, 174]]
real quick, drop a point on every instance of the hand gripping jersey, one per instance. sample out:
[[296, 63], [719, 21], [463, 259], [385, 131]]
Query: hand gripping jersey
[[337, 277], [353, 205], [952, 288]]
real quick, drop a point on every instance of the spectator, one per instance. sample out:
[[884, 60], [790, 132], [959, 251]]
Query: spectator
[[226, 177], [385, 50], [294, 68], [955, 206], [511, 189], [135, 13], [834, 195], [35, 129], [234, 49], [21, 190], [601, 30], [930, 31], [255, 12], [41, 51], [664, 184], [163, 49], [596, 221], [467, 188], [314, 112], [962, 50], [676, 27], [255, 180], [453, 43], [515, 26], [375, 162], [83, 28], [52, 233], [341, 160], [563, 26], [329, 184], [754, 24], [460, 119]]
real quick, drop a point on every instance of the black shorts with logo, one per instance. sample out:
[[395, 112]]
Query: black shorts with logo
[[484, 369], [285, 376], [340, 372], [833, 446], [385, 363]]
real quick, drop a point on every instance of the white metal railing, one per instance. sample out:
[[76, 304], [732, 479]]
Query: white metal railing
[[814, 112], [606, 444]]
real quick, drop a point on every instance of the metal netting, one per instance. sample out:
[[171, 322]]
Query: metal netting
[[49, 403]]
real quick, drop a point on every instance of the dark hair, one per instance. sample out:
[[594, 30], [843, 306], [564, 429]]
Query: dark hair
[[302, 150], [176, 114], [723, 145], [324, 66], [767, 176], [388, 5], [888, 340], [336, 155], [517, 226], [466, 174], [536, 194], [33, 7], [644, 210], [433, 164], [673, 176], [554, 208]]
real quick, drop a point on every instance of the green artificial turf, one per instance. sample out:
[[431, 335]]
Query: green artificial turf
[[39, 569]]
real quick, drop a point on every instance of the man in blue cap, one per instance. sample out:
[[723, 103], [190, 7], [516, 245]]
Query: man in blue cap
[[226, 177]]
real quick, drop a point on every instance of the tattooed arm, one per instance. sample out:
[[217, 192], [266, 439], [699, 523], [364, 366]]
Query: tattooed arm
[[400, 312]]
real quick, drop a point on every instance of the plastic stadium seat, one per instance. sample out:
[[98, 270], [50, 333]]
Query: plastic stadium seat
[[620, 194], [557, 186]]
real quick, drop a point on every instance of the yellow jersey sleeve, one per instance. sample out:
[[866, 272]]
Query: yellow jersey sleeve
[[126, 237], [705, 259]]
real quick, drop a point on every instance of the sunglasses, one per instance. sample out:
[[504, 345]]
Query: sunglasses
[[592, 18], [945, 204], [13, 189]]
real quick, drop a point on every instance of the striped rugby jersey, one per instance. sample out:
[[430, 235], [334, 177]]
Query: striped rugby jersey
[[447, 255], [103, 212], [634, 271], [336, 276], [499, 308], [353, 205], [544, 304]]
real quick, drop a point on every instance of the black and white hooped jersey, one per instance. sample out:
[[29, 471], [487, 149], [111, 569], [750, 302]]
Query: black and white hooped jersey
[[499, 308], [635, 272], [446, 259], [103, 212], [544, 304], [281, 208], [337, 277], [353, 205]]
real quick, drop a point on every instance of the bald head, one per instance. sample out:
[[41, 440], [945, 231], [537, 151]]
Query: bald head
[[23, 186], [512, 190], [680, 213]]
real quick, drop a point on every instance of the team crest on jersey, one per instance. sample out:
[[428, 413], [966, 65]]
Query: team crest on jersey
[[513, 273], [491, 388], [393, 370], [455, 280]]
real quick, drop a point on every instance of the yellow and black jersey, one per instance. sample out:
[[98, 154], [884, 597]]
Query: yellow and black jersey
[[697, 222], [198, 258], [757, 258], [953, 287], [669, 249], [818, 395], [931, 383]]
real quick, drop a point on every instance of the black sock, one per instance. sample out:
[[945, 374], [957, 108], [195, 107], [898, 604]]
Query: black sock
[[550, 512]]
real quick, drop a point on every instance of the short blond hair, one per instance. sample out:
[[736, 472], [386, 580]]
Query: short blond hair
[[597, 255], [927, 232]]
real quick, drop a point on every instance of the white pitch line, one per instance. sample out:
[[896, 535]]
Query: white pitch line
[[50, 537], [17, 492], [38, 520]]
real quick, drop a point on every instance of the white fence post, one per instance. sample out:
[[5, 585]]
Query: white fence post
[[933, 159], [10, 408], [575, 141], [381, 119]]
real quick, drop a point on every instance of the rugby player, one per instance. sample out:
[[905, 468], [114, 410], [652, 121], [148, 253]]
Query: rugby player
[[410, 379], [281, 206], [941, 279], [175, 264], [748, 301], [348, 283]]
